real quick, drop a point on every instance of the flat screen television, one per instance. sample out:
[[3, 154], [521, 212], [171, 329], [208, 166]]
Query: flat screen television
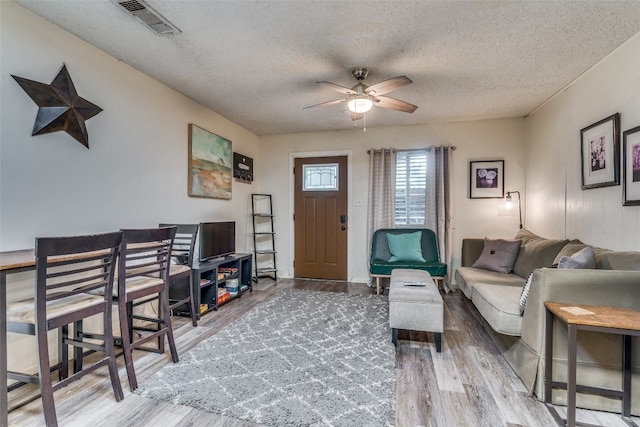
[[217, 239]]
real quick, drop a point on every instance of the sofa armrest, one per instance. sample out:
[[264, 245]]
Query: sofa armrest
[[471, 251], [618, 288]]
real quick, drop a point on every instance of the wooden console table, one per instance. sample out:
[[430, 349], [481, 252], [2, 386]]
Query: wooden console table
[[613, 320], [10, 262]]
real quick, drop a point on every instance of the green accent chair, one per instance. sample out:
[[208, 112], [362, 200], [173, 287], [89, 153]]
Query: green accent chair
[[381, 266]]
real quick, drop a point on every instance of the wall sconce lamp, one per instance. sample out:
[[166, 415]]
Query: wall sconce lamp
[[509, 203]]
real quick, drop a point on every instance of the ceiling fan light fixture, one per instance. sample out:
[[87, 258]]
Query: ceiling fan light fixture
[[359, 104]]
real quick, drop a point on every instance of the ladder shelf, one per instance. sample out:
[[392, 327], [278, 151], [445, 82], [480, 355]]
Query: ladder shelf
[[264, 247]]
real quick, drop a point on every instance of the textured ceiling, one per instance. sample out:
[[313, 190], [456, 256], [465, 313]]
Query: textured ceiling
[[256, 62]]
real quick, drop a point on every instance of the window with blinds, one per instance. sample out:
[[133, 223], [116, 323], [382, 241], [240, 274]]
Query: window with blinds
[[411, 184]]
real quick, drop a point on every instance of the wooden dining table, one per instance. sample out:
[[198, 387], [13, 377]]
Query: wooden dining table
[[10, 262]]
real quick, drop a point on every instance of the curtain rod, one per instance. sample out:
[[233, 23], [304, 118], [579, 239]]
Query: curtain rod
[[453, 147]]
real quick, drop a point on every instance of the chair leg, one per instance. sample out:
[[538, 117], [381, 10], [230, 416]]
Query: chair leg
[[125, 326], [109, 349], [166, 315], [63, 352], [46, 390], [192, 304], [394, 336], [78, 353]]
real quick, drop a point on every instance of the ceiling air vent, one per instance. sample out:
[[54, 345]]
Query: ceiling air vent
[[144, 13]]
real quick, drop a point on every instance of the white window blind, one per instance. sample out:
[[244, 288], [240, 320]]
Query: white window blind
[[411, 182]]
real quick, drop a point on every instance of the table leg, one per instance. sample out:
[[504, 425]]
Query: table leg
[[4, 403], [626, 375], [571, 375], [548, 356]]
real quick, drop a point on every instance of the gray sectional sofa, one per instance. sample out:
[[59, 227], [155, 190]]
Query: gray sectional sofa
[[495, 298]]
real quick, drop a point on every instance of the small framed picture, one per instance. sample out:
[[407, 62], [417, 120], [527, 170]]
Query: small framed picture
[[486, 179], [631, 167], [600, 152]]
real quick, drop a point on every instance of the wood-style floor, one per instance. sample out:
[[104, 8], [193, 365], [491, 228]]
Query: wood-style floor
[[468, 384]]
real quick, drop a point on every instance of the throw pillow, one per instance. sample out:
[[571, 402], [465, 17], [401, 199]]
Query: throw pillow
[[569, 249], [498, 255], [535, 252], [405, 247], [584, 258], [525, 294]]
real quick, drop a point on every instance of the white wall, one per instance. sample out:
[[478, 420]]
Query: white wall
[[595, 216], [135, 172], [480, 140]]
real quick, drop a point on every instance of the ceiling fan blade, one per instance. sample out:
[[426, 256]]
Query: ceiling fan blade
[[394, 104], [356, 116], [324, 104], [338, 88], [389, 85]]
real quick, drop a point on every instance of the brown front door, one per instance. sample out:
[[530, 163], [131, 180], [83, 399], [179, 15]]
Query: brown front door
[[320, 216]]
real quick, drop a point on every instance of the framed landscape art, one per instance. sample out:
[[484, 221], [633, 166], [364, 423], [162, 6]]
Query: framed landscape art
[[600, 153], [631, 167], [486, 179], [209, 164]]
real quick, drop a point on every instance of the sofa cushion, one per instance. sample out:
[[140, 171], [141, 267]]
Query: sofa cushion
[[617, 260], [584, 258], [498, 255], [499, 306], [468, 277], [405, 247], [535, 252]]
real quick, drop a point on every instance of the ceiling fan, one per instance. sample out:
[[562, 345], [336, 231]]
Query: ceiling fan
[[361, 97]]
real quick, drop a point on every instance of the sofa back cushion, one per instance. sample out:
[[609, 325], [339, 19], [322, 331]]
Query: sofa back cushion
[[606, 259], [535, 252], [617, 260]]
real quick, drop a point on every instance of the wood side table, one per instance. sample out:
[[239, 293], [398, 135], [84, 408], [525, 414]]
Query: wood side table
[[613, 320]]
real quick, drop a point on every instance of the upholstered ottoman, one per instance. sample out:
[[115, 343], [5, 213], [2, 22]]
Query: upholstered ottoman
[[415, 304]]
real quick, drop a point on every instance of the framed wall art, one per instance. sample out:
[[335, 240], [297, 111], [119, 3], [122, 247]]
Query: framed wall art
[[242, 168], [600, 153], [631, 167], [486, 179], [209, 164]]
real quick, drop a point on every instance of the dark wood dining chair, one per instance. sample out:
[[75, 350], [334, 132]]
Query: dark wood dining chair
[[180, 269], [69, 270], [143, 273]]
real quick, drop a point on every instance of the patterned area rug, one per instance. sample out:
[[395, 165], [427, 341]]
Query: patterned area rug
[[302, 358]]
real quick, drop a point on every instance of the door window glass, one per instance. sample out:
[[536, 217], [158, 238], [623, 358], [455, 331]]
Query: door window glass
[[320, 177]]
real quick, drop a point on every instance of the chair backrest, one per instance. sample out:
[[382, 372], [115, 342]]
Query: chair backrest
[[145, 252], [184, 243], [380, 246], [67, 266]]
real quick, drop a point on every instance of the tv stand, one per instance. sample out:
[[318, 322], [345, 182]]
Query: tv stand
[[210, 275]]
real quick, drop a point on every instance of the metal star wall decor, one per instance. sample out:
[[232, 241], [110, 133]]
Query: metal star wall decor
[[60, 107]]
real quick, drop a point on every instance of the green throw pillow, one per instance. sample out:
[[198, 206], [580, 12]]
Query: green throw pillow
[[405, 247]]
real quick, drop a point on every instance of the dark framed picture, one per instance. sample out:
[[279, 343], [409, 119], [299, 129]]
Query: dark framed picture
[[600, 153], [631, 167], [486, 179], [209, 164]]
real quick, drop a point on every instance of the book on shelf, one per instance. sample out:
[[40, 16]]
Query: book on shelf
[[229, 270]]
